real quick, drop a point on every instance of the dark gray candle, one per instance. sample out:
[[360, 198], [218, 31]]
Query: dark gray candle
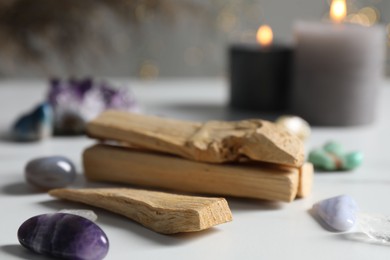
[[259, 77], [260, 74]]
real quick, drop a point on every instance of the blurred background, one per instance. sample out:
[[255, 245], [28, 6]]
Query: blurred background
[[149, 39]]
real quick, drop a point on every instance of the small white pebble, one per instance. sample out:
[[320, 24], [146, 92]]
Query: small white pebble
[[295, 125]]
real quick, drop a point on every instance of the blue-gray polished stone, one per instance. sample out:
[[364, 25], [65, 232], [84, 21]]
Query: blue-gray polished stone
[[50, 172], [35, 125], [339, 213], [64, 236]]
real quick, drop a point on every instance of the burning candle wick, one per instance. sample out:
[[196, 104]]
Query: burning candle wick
[[264, 36], [338, 11]]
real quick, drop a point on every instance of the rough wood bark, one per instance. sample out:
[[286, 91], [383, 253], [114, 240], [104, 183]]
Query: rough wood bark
[[260, 180], [159, 211], [213, 141]]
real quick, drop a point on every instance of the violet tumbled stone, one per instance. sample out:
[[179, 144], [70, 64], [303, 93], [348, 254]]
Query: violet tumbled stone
[[339, 213], [65, 236], [50, 172]]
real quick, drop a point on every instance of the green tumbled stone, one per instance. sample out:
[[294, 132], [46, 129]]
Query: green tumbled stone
[[352, 160], [321, 159], [334, 148]]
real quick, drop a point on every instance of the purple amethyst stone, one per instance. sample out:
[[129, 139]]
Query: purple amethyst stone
[[75, 102], [64, 236]]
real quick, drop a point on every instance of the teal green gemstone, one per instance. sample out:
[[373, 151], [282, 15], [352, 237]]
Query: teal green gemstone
[[352, 160], [334, 148], [321, 159]]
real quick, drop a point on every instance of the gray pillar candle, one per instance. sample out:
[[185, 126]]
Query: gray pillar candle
[[337, 71]]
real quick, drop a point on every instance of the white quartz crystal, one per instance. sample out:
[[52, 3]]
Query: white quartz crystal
[[88, 214], [375, 226]]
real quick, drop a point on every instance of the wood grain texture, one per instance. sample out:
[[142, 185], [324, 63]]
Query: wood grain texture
[[123, 165], [306, 175], [159, 211], [213, 141]]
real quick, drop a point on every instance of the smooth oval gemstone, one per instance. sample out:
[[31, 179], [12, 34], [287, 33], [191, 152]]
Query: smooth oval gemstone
[[64, 236], [339, 213], [35, 125], [50, 172], [321, 159], [334, 148], [295, 125], [352, 160]]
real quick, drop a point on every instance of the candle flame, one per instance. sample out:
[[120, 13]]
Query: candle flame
[[264, 35], [338, 10]]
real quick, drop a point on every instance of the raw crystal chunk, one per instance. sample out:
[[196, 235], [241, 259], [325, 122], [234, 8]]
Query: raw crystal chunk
[[65, 236], [75, 102], [375, 226], [339, 213], [88, 214], [35, 125], [50, 172]]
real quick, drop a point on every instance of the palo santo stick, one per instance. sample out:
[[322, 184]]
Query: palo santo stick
[[159, 211], [306, 174], [122, 165], [213, 141]]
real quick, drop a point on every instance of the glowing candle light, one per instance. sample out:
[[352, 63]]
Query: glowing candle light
[[338, 10], [264, 35]]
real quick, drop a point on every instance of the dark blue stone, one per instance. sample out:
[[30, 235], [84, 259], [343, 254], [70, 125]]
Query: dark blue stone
[[50, 172], [35, 125], [64, 236]]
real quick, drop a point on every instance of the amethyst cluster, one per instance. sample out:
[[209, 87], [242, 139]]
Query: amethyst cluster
[[70, 105], [64, 236], [75, 102]]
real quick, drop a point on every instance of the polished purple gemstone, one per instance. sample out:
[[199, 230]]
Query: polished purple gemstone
[[65, 236]]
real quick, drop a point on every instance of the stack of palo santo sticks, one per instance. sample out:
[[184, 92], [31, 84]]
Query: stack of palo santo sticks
[[251, 159]]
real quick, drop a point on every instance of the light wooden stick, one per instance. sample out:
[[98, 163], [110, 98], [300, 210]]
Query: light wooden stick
[[260, 181], [159, 211], [213, 141], [306, 174]]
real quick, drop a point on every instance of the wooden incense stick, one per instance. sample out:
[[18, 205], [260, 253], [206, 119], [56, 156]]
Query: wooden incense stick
[[306, 174], [159, 211], [260, 181], [213, 141]]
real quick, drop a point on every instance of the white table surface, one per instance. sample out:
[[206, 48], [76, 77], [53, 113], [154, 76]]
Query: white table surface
[[260, 230]]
